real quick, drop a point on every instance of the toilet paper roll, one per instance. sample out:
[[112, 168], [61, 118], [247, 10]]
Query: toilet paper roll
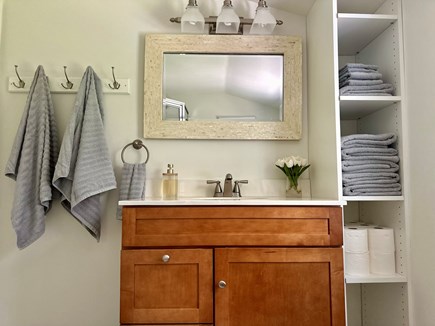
[[382, 263], [355, 239], [362, 225], [381, 239], [357, 264]]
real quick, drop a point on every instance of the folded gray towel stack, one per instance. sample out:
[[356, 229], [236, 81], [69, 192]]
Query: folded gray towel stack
[[32, 161], [363, 80], [84, 169], [369, 165]]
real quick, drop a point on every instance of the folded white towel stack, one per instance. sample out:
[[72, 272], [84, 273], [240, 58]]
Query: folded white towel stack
[[84, 169], [31, 163]]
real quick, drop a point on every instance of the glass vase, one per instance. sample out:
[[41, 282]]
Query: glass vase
[[293, 191]]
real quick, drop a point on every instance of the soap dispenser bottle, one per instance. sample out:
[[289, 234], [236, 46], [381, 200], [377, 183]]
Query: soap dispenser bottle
[[170, 184]]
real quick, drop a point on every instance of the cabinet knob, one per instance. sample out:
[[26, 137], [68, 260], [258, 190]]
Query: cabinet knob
[[222, 284], [165, 258]]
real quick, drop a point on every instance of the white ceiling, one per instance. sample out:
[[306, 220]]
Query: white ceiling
[[302, 7]]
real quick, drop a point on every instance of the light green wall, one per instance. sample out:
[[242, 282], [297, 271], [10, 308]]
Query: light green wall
[[66, 278]]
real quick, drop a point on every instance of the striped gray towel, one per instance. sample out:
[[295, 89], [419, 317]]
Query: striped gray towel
[[394, 189], [369, 89], [374, 178], [369, 166], [360, 75], [361, 82], [84, 169], [31, 163], [360, 151], [132, 184], [357, 65], [372, 140]]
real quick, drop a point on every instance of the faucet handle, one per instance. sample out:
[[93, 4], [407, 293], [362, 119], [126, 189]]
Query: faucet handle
[[236, 189], [218, 189]]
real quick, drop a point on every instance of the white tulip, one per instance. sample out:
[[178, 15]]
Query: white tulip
[[280, 163], [289, 161]]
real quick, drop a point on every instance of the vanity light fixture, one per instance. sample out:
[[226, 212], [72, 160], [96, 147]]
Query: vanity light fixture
[[192, 20], [264, 22], [228, 22]]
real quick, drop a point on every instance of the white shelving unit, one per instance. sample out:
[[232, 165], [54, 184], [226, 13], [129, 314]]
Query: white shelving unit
[[370, 32], [350, 279], [356, 107], [356, 31]]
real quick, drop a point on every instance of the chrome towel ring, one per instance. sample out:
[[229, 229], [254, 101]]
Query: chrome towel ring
[[137, 144]]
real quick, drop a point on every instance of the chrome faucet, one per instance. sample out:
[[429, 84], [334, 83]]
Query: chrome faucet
[[229, 190]]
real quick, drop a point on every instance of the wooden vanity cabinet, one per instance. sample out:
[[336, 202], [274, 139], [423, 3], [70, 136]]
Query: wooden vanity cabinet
[[232, 266]]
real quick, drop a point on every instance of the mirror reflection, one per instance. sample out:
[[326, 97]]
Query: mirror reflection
[[237, 87]]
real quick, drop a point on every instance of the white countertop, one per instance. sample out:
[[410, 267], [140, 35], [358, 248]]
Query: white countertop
[[242, 201]]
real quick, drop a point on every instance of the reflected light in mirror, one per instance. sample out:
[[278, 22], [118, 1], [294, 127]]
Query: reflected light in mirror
[[237, 85]]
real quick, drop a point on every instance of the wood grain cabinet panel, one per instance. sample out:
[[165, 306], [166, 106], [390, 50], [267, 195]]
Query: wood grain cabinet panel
[[279, 266], [145, 226], [177, 291], [279, 287]]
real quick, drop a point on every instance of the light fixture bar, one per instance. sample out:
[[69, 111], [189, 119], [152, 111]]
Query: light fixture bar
[[212, 22]]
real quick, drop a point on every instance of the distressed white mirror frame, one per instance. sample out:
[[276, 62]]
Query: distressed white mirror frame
[[290, 128]]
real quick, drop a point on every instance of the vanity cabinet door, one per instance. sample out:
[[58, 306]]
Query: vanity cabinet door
[[166, 286], [279, 287]]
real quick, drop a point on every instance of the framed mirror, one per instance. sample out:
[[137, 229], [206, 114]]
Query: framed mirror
[[223, 87]]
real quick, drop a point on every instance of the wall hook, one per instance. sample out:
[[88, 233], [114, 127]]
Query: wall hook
[[69, 84], [116, 85], [21, 82]]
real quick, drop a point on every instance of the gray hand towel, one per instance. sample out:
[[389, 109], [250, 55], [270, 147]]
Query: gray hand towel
[[359, 65], [361, 82], [31, 163], [132, 184], [373, 178], [381, 88], [84, 169], [350, 69], [369, 166], [367, 93], [394, 189], [358, 151], [360, 75], [374, 158], [368, 140]]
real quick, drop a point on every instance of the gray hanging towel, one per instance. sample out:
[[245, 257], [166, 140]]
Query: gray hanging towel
[[132, 184], [32, 161], [84, 169]]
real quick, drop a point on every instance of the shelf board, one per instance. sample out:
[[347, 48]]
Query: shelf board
[[355, 107], [356, 31], [375, 279], [373, 198], [358, 6]]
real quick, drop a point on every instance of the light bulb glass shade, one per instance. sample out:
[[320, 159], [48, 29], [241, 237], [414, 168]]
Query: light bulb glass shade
[[192, 21], [264, 22], [227, 22]]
